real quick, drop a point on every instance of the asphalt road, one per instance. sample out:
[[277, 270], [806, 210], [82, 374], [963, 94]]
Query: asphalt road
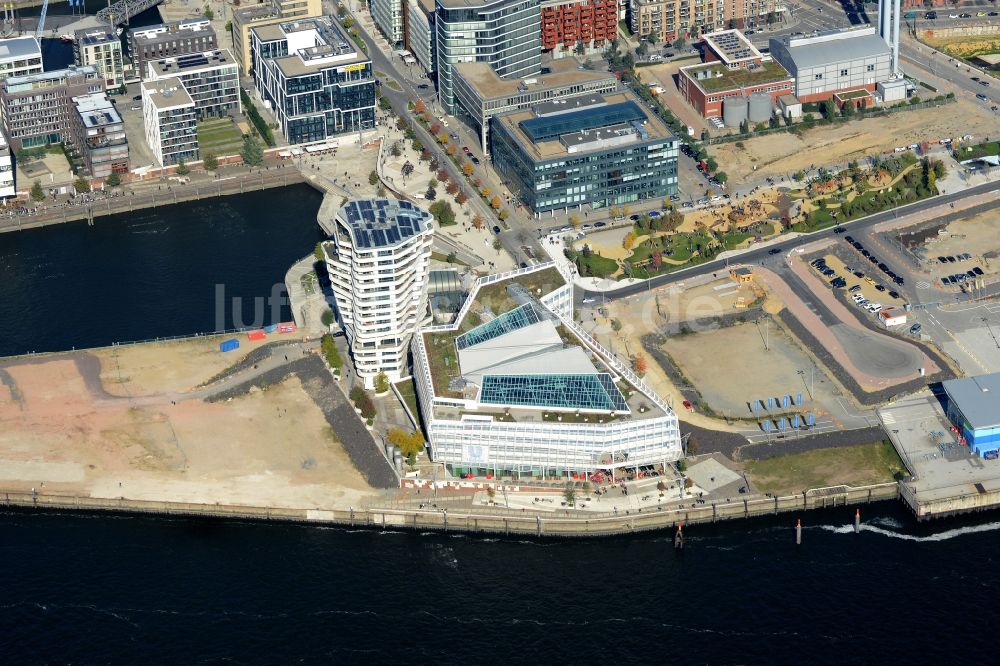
[[767, 254]]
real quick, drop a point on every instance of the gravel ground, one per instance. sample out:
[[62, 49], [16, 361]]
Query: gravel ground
[[346, 423], [827, 440], [862, 397], [251, 359]]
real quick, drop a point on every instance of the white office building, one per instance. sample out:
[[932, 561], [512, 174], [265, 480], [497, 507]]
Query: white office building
[[378, 259], [388, 15], [20, 56], [420, 33], [7, 187], [515, 387], [170, 120]]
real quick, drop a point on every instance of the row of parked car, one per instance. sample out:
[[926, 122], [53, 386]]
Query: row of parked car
[[959, 278], [873, 259], [839, 282]]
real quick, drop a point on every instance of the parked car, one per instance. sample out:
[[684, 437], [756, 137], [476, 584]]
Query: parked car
[[915, 328], [977, 270], [898, 280], [855, 288], [839, 230], [984, 83], [774, 250], [879, 287], [496, 229], [475, 160], [600, 224], [849, 239], [894, 294], [981, 96]]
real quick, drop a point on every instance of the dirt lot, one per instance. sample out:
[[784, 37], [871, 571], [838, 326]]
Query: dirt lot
[[978, 235], [851, 465], [731, 368], [60, 430], [167, 367], [785, 153]]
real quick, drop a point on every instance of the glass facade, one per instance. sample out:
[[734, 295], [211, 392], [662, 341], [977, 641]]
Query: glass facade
[[601, 177], [505, 323], [589, 392], [506, 34]]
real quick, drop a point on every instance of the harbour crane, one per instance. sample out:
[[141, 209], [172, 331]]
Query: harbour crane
[[41, 19]]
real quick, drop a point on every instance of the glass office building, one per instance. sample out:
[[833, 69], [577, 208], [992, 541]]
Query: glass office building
[[506, 34], [313, 78], [596, 150]]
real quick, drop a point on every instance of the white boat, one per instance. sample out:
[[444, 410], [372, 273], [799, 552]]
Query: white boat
[[67, 38]]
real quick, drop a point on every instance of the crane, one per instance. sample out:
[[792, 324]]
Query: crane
[[41, 19]]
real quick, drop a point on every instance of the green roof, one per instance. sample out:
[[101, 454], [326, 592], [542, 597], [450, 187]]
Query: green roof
[[736, 78]]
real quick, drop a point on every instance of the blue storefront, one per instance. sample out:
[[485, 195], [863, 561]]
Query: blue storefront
[[973, 406]]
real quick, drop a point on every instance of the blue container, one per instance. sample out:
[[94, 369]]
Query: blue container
[[229, 345], [270, 328]]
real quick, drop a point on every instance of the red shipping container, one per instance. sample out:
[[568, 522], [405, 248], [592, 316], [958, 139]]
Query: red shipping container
[[256, 335]]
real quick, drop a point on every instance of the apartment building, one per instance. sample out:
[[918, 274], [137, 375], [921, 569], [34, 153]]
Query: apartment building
[[578, 27], [8, 186], [672, 19], [170, 121], [211, 79], [420, 33], [389, 19], [101, 48], [378, 259], [169, 40], [100, 136]]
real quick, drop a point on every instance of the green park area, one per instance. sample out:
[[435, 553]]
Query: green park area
[[219, 136], [847, 465], [975, 151], [852, 193]]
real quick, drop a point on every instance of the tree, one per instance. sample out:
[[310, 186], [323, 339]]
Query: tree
[[587, 64], [442, 175], [468, 169], [37, 193], [443, 213], [419, 107], [679, 43], [229, 27], [373, 177], [211, 162], [182, 168], [628, 241], [451, 189], [396, 150], [409, 443], [114, 180], [639, 363], [432, 183], [381, 383], [721, 177], [614, 213], [451, 258], [332, 354], [504, 214], [451, 149], [657, 260], [712, 164], [799, 176], [574, 220], [436, 129], [208, 13], [461, 198], [848, 109], [327, 318], [442, 138], [318, 252], [495, 202], [252, 152], [570, 496], [81, 185]]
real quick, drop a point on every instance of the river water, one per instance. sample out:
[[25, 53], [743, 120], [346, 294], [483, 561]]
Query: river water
[[81, 588]]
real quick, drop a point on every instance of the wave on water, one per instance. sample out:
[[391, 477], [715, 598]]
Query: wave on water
[[940, 536]]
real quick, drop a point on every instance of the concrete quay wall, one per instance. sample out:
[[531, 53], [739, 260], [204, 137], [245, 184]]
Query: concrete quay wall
[[486, 521], [960, 502]]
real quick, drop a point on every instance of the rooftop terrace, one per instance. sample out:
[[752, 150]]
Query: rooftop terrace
[[718, 77]]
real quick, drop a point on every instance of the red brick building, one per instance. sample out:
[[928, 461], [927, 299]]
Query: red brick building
[[567, 23]]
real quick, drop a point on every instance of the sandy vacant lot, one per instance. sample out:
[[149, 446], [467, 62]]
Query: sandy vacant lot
[[731, 368], [166, 367], [60, 430], [784, 153]]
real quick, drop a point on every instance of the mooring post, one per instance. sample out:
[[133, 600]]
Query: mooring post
[[798, 531], [538, 525], [446, 520], [857, 521]]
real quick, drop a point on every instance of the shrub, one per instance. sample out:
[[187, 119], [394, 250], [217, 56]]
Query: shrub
[[37, 193], [182, 168], [327, 317], [211, 162], [381, 383], [331, 353], [114, 180], [410, 443], [81, 185]]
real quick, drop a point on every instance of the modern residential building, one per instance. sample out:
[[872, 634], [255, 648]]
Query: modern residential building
[[313, 79], [746, 14], [578, 26], [268, 13], [591, 150], [514, 386], [378, 259], [480, 93], [834, 62], [388, 17], [102, 48], [8, 186], [505, 34], [672, 19], [733, 70], [420, 33], [212, 79], [100, 136], [20, 56], [38, 109], [973, 407], [169, 40], [170, 120]]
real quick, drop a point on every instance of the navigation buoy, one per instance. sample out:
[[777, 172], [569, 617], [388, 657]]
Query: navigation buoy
[[857, 521], [798, 531]]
